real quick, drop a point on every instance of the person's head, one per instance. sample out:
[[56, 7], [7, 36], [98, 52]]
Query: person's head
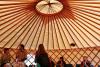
[[41, 49], [61, 58], [6, 50], [85, 58], [21, 47]]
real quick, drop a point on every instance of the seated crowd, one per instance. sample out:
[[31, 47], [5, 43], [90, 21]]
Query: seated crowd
[[41, 58]]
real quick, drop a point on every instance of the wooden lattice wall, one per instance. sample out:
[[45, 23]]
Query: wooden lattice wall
[[71, 56]]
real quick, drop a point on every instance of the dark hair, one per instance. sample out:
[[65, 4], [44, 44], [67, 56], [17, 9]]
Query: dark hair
[[41, 50], [22, 46], [61, 57], [6, 49]]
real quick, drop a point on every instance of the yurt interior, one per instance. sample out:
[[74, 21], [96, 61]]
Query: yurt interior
[[66, 28]]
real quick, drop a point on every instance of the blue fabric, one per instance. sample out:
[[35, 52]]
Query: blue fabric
[[91, 66], [78, 65], [69, 65]]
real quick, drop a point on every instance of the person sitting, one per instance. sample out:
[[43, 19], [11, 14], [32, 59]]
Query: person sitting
[[42, 57], [21, 56], [85, 62], [6, 58], [61, 63], [52, 64]]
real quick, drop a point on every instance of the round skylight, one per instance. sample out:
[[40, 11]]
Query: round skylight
[[49, 7]]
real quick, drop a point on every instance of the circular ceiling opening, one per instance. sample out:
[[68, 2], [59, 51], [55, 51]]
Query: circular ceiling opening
[[49, 7]]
